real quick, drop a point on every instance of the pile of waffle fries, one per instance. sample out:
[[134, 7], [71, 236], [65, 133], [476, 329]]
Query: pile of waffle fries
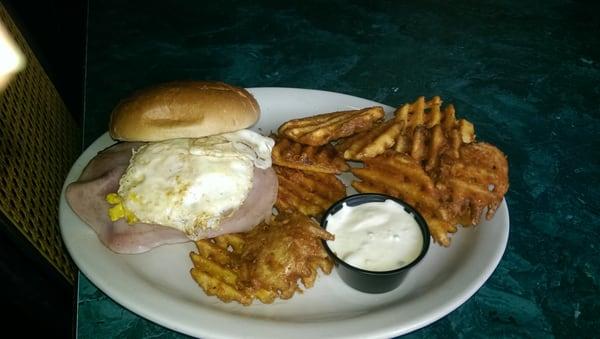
[[422, 154]]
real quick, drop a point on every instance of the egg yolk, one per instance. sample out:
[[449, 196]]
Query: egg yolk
[[118, 211]]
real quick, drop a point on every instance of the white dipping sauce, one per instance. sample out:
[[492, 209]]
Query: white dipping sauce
[[375, 236]]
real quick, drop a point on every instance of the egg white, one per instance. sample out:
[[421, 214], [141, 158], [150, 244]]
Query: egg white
[[191, 184]]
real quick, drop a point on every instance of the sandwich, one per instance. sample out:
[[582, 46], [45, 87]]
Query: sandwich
[[186, 168]]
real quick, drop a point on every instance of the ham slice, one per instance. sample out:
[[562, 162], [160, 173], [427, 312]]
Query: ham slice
[[101, 176]]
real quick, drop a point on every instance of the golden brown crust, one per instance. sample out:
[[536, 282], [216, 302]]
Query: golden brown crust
[[421, 130], [324, 159], [266, 263], [183, 109], [310, 193], [476, 180], [323, 128]]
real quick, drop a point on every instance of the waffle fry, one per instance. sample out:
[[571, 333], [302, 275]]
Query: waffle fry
[[265, 263], [478, 179], [398, 175], [323, 128], [370, 143], [397, 131], [310, 193], [402, 176], [442, 133], [420, 129], [440, 228], [323, 159], [420, 113]]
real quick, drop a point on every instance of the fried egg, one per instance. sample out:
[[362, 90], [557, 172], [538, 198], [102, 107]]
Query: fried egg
[[190, 184]]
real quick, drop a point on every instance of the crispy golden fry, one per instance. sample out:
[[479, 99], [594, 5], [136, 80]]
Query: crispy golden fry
[[420, 113], [323, 159], [401, 176], [476, 180], [288, 249], [310, 193], [440, 228], [419, 129], [264, 263], [397, 131], [427, 144], [370, 143], [323, 128]]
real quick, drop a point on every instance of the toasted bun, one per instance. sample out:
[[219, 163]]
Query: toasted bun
[[185, 109]]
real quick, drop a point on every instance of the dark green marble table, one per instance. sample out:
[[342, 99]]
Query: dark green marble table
[[527, 75]]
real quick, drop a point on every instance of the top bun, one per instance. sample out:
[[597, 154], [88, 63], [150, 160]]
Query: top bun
[[184, 109]]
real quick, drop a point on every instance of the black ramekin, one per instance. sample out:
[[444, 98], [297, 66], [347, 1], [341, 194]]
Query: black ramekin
[[374, 281]]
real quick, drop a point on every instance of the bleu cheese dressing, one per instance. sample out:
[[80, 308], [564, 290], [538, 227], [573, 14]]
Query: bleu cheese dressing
[[375, 236]]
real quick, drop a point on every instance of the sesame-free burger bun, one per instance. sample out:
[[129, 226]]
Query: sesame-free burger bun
[[184, 109]]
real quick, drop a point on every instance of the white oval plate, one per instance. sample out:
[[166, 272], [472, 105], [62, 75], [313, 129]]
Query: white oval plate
[[157, 285]]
